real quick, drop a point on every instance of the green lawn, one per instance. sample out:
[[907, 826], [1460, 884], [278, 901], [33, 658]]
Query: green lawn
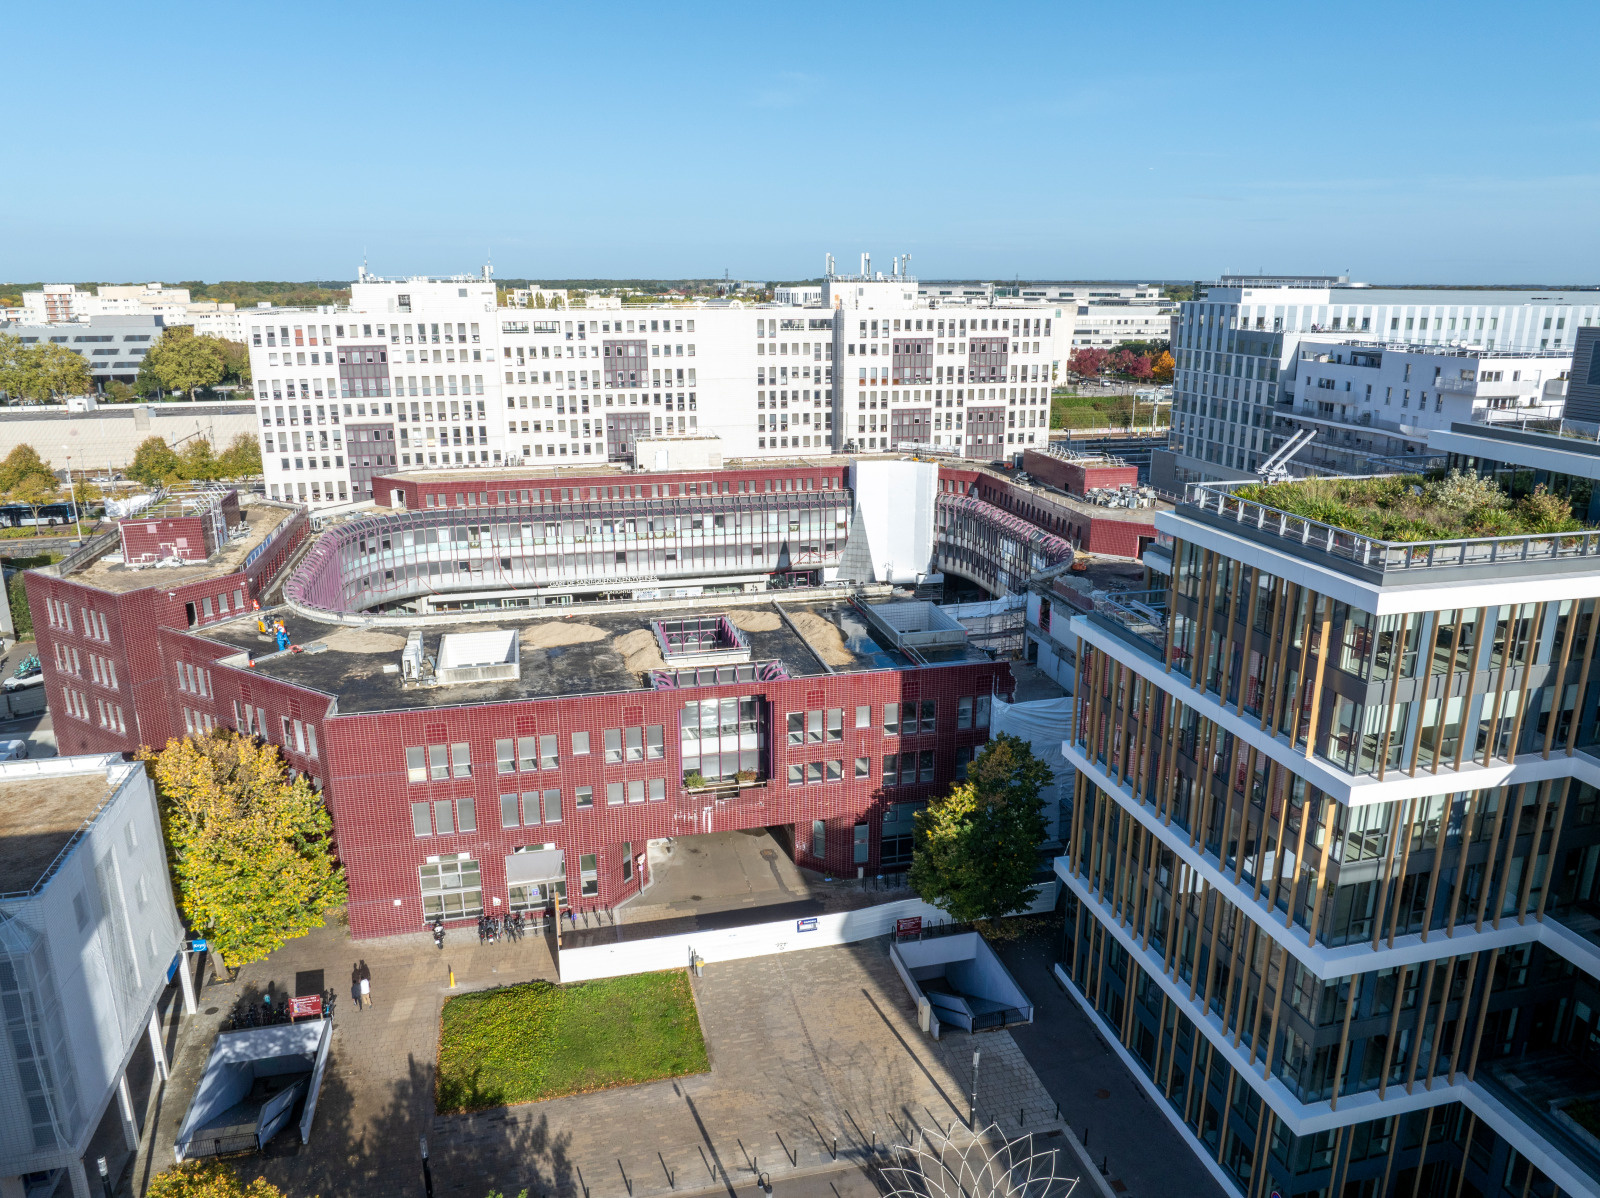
[[535, 1041]]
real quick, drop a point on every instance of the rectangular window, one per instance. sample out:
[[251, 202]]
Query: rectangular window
[[633, 744], [627, 861], [963, 714], [797, 774], [451, 889], [636, 791], [530, 807], [928, 708], [613, 738], [461, 760], [653, 747], [963, 760], [508, 811], [835, 771], [983, 711], [891, 769], [819, 838], [467, 814], [797, 727], [583, 798], [891, 719], [613, 793], [552, 806], [527, 753], [864, 716], [863, 767], [925, 766], [658, 789], [438, 762], [835, 724], [588, 874], [813, 772], [814, 727], [421, 824], [416, 764], [859, 843], [548, 758], [505, 760], [442, 817], [580, 744]]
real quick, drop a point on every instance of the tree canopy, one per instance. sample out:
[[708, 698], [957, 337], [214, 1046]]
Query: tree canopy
[[250, 851], [183, 361], [154, 462], [208, 1179], [976, 849], [241, 459], [41, 371], [24, 462]]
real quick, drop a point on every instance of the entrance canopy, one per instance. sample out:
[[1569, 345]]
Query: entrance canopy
[[536, 868]]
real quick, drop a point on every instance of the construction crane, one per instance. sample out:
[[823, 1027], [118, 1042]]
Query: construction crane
[[1276, 468]]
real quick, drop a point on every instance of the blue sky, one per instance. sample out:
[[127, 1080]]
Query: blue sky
[[1400, 142]]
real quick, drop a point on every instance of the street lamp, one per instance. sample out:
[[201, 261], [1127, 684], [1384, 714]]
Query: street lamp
[[427, 1174], [72, 495]]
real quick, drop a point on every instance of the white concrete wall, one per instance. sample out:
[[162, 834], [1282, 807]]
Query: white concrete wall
[[755, 940], [896, 502]]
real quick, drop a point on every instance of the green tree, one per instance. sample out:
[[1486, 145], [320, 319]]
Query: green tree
[[145, 384], [208, 1179], [116, 392], [33, 491], [242, 459], [250, 851], [977, 848], [153, 462], [235, 360], [41, 371], [184, 362], [196, 461], [24, 462]]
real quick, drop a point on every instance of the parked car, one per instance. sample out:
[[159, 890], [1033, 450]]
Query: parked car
[[13, 750]]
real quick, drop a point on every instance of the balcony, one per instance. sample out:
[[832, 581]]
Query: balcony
[[1138, 617], [1538, 1088]]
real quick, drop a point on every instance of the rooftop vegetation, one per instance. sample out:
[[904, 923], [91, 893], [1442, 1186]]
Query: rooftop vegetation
[[1416, 507]]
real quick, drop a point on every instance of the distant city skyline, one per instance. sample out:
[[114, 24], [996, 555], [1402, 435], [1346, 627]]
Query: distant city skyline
[[1054, 142]]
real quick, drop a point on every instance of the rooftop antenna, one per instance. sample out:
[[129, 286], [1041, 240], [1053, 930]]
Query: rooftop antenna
[[866, 265], [908, 266], [362, 276], [828, 265], [488, 266]]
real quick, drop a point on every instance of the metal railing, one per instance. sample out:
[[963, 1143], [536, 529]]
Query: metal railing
[[1390, 556]]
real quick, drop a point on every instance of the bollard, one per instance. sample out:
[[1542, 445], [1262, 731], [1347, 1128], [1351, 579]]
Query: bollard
[[1103, 1169], [452, 977], [835, 1147]]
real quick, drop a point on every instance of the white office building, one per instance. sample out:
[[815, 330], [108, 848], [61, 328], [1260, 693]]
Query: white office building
[[429, 373], [88, 932], [1240, 366], [62, 302]]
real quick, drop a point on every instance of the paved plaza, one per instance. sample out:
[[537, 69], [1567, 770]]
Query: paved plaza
[[813, 1054]]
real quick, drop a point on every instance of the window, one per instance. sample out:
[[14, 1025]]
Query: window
[[467, 814], [859, 844], [636, 791], [416, 765], [963, 760], [797, 727], [633, 744], [508, 811], [627, 860], [863, 767], [530, 807], [548, 758], [552, 806], [527, 753], [895, 842], [982, 717], [891, 719], [451, 889], [588, 874], [797, 774], [583, 798], [928, 708], [654, 749], [963, 714], [443, 819], [613, 739], [864, 716], [834, 770], [819, 838], [461, 760], [580, 744], [421, 820], [438, 762], [925, 766], [505, 760], [835, 724], [658, 789], [613, 793]]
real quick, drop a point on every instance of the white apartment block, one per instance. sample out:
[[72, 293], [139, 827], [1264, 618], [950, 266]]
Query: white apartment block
[[1240, 366], [59, 303], [1107, 325], [429, 373]]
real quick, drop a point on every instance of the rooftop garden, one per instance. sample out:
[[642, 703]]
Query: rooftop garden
[[1416, 507]]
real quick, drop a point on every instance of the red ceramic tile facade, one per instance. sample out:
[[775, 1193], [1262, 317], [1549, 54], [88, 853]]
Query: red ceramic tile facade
[[1074, 477], [1122, 535], [505, 488]]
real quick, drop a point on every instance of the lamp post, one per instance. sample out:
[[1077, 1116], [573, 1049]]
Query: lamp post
[[72, 495], [427, 1174]]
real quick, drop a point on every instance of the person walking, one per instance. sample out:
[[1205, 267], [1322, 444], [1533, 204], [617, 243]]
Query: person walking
[[366, 985]]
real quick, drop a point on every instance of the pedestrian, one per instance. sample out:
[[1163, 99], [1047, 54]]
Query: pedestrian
[[366, 992]]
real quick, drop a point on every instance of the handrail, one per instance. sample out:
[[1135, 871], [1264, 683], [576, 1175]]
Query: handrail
[[1384, 556]]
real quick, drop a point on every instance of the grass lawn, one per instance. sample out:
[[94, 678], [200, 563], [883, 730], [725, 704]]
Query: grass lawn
[[1094, 408], [540, 1040]]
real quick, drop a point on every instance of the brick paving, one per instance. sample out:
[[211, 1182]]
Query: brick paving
[[804, 1047]]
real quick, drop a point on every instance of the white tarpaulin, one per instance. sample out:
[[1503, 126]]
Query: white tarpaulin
[[1044, 724]]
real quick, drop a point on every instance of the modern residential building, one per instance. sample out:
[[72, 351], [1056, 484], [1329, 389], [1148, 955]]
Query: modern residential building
[[61, 302], [759, 378], [1583, 392], [88, 934], [1332, 859], [113, 346], [1375, 404], [1239, 361]]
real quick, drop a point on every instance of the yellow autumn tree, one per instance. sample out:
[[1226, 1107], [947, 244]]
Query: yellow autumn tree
[[208, 1179], [250, 850], [1162, 367]]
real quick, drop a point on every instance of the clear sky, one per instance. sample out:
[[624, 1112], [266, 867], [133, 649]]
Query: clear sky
[[1397, 141]]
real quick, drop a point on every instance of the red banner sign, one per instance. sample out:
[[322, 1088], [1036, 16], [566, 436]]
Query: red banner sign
[[909, 926], [305, 1008]]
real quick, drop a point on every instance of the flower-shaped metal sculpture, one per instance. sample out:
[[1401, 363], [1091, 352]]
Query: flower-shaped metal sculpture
[[962, 1164]]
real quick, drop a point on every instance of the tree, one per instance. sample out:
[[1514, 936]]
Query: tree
[[1161, 368], [1088, 362], [208, 1179], [154, 462], [250, 851], [145, 384], [976, 849], [116, 392], [41, 371], [24, 462], [242, 459], [184, 362], [33, 491], [235, 360], [197, 461]]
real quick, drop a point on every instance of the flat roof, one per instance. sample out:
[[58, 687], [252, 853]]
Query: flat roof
[[589, 651], [113, 576], [39, 817]]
